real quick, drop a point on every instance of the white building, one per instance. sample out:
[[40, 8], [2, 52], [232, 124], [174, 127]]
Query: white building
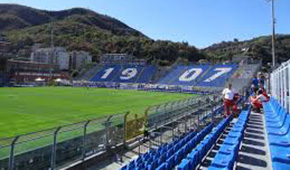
[[59, 56]]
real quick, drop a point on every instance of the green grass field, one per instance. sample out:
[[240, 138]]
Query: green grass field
[[24, 110]]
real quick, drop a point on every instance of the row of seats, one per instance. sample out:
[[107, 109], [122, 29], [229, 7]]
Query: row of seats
[[199, 75], [125, 73], [195, 156], [278, 129], [168, 155], [210, 81], [183, 152], [175, 76], [191, 75], [176, 158], [188, 151], [228, 152]]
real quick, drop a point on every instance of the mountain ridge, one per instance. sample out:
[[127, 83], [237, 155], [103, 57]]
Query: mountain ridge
[[82, 29], [87, 30], [20, 17]]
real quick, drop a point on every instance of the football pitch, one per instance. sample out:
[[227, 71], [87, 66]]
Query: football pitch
[[24, 110]]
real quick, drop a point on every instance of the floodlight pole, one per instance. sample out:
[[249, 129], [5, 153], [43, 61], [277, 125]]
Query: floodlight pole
[[273, 34], [52, 48]]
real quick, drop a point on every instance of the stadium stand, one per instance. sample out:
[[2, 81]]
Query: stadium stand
[[228, 152], [184, 75], [3, 80], [188, 151], [147, 74], [217, 75], [246, 71], [243, 75], [196, 155], [184, 152], [128, 74], [278, 125], [87, 75], [107, 73], [125, 74], [199, 75]]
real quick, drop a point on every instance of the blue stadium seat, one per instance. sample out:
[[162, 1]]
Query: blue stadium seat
[[278, 129], [187, 150], [280, 121], [223, 161], [209, 137], [228, 149], [228, 152], [184, 165], [162, 167]]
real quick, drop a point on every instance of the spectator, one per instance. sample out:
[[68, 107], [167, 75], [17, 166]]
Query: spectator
[[228, 96], [257, 101], [255, 84], [262, 80], [265, 93]]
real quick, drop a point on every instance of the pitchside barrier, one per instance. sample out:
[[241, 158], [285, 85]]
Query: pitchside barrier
[[158, 115], [280, 84], [61, 146], [149, 87]]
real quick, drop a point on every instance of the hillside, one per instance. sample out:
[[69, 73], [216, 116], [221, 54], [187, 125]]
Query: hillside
[[19, 17], [260, 48], [82, 29]]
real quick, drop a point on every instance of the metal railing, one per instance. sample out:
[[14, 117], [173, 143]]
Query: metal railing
[[61, 145], [280, 84], [208, 110], [58, 147]]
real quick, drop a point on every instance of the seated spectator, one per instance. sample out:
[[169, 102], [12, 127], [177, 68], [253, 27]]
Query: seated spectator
[[264, 92], [257, 101], [235, 109]]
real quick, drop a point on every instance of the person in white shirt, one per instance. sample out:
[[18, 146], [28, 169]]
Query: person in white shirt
[[228, 98]]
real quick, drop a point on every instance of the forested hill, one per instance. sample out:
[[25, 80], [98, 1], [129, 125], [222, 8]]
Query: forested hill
[[83, 29], [260, 48], [19, 17]]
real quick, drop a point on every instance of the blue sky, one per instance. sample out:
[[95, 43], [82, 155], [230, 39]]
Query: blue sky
[[198, 22]]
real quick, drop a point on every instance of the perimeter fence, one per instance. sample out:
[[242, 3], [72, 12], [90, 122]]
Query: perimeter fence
[[280, 84]]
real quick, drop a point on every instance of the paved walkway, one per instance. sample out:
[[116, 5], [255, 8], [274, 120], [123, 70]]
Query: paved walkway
[[254, 153], [254, 150]]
